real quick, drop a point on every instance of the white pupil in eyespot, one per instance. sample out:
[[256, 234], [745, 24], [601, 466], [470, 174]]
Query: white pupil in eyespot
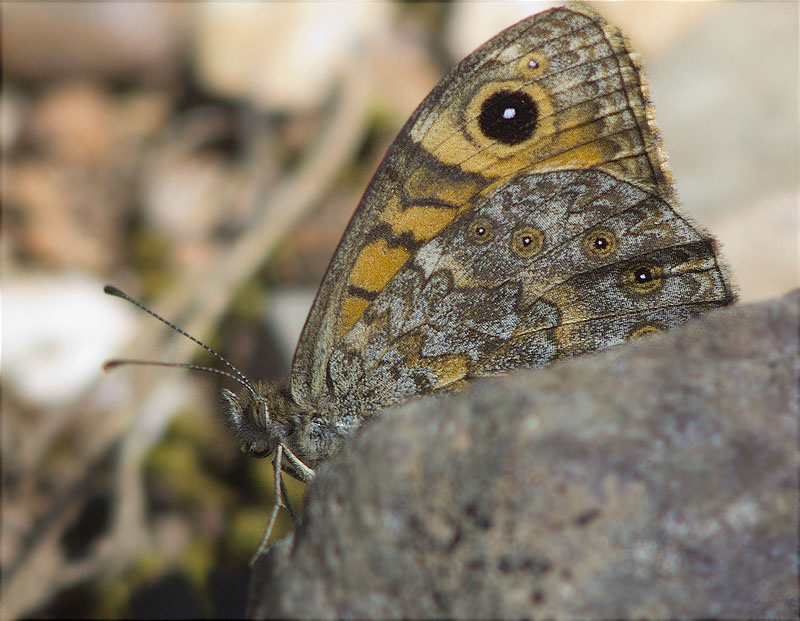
[[533, 64], [509, 113]]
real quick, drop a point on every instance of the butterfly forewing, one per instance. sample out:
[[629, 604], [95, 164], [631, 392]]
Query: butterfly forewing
[[525, 212]]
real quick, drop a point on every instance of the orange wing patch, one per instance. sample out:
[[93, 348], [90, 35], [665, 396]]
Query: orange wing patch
[[352, 308], [430, 201], [423, 222], [377, 263]]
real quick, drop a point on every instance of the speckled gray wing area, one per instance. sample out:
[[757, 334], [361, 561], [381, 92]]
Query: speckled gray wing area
[[604, 262]]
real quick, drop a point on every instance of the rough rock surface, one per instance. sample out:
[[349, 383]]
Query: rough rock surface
[[657, 479]]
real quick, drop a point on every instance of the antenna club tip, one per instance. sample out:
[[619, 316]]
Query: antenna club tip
[[110, 364], [112, 290]]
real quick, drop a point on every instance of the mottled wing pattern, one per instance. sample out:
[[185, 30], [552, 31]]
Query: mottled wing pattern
[[579, 103], [547, 266]]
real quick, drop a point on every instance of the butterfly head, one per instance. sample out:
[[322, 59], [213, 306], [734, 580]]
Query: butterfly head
[[259, 415]]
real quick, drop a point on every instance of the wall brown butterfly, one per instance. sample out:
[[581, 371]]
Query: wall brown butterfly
[[525, 213]]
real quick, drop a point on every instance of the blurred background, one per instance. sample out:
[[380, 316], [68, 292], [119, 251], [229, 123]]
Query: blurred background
[[206, 158]]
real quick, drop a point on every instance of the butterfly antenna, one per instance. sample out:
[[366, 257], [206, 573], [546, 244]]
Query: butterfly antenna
[[236, 375]]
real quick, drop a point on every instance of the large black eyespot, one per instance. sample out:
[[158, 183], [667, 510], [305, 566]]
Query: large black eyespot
[[508, 117]]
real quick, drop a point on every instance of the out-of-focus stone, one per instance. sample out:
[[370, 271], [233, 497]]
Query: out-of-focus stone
[[76, 123], [61, 329], [280, 56], [658, 479], [67, 191], [46, 40]]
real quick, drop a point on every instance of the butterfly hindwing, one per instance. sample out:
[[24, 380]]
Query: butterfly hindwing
[[550, 265]]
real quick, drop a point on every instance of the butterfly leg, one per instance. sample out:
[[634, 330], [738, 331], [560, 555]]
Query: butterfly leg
[[302, 472], [299, 469], [277, 501], [288, 503]]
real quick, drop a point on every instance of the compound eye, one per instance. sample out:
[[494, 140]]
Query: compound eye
[[255, 453]]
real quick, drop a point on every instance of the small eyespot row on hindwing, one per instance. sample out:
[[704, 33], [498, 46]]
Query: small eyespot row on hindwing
[[600, 243], [482, 231], [527, 241], [643, 278]]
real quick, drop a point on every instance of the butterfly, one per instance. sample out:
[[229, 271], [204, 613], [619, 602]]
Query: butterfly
[[524, 213]]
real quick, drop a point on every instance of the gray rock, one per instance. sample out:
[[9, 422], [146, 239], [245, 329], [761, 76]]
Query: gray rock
[[657, 479]]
